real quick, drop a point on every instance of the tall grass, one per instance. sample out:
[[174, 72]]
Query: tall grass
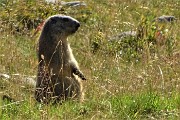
[[136, 78]]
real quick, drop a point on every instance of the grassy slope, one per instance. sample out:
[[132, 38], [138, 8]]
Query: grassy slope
[[116, 87]]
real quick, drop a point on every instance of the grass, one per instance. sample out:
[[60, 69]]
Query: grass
[[137, 78]]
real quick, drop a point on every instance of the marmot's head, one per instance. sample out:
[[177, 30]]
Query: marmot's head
[[58, 25]]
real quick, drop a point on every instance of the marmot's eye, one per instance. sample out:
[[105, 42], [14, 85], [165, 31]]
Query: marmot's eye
[[65, 19], [53, 20]]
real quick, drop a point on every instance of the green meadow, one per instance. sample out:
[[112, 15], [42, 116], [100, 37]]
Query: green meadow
[[128, 78]]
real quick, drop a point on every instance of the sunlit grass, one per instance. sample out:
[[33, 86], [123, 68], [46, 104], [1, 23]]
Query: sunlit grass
[[122, 82]]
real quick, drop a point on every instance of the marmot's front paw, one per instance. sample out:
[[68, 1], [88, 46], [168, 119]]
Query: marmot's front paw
[[82, 77], [79, 73]]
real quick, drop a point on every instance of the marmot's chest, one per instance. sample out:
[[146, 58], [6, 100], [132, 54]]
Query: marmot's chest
[[60, 63]]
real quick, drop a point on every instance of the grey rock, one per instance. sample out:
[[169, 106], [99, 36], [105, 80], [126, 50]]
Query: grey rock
[[73, 3], [70, 4], [165, 18], [5, 76], [122, 35]]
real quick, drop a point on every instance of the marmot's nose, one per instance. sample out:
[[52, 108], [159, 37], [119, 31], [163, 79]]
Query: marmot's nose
[[77, 24]]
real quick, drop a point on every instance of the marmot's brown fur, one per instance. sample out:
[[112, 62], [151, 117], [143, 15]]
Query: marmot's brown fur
[[58, 72]]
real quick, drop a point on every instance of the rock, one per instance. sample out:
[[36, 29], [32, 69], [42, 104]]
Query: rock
[[29, 81], [165, 18], [52, 1], [73, 3], [122, 35], [4, 76]]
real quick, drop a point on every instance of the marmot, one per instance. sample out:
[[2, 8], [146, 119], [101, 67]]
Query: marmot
[[58, 75]]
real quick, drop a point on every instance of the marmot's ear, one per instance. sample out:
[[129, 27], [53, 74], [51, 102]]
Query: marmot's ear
[[53, 20]]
